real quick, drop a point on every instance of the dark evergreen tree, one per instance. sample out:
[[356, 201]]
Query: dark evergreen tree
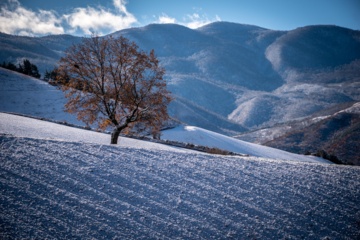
[[29, 69], [11, 67], [20, 68], [26, 67], [34, 71], [51, 76], [47, 75]]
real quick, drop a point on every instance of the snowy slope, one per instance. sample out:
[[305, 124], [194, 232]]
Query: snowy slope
[[23, 94], [52, 188], [26, 127], [33, 128], [199, 136]]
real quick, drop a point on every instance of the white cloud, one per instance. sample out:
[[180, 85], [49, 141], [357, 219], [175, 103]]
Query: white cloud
[[166, 19], [100, 21], [120, 5], [15, 19], [195, 20]]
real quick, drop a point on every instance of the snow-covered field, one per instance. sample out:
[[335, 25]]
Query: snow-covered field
[[58, 182], [200, 136], [63, 183]]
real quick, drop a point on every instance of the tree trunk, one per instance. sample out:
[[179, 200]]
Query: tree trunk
[[115, 135]]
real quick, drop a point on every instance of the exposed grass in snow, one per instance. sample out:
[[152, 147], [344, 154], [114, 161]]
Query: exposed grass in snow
[[56, 188]]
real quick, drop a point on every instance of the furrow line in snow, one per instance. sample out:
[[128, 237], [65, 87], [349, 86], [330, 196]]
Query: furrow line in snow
[[145, 193], [201, 201], [22, 197], [71, 198], [68, 191], [204, 201]]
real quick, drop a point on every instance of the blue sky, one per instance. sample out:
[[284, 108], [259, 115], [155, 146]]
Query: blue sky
[[83, 17]]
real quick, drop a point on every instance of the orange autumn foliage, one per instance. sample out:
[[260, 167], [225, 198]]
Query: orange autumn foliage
[[109, 81]]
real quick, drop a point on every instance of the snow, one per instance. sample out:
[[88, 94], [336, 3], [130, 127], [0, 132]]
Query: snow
[[26, 95], [62, 183], [199, 136], [27, 127], [33, 128]]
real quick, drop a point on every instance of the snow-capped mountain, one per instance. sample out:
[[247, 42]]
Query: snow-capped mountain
[[254, 76], [230, 77]]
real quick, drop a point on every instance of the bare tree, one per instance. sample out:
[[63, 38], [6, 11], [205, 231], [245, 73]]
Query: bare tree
[[110, 81]]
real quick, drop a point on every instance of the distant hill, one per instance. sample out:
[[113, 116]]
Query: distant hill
[[335, 130], [338, 134], [42, 51], [231, 78]]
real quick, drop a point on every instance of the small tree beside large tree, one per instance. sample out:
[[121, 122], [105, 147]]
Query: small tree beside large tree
[[112, 82]]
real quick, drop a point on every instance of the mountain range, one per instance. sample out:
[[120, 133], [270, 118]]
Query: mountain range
[[240, 79]]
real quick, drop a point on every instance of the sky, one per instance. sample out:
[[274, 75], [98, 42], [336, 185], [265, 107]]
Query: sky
[[101, 17]]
